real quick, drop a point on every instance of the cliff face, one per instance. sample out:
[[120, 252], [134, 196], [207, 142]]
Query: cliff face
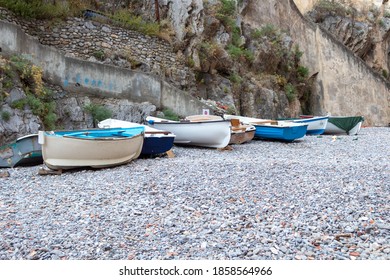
[[242, 57], [227, 65], [361, 25]]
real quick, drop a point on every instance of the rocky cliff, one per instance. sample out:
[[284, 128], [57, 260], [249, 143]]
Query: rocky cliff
[[362, 26], [241, 56]]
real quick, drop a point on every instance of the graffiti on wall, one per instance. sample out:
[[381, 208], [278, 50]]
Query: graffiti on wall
[[89, 82]]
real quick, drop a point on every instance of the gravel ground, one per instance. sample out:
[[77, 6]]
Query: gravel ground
[[318, 198]]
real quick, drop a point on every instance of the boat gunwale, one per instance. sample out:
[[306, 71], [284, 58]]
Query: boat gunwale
[[187, 122]]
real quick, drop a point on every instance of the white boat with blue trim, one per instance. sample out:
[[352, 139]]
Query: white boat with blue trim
[[316, 124]]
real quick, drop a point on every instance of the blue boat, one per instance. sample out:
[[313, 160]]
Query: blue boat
[[23, 151], [156, 141], [283, 131], [286, 131]]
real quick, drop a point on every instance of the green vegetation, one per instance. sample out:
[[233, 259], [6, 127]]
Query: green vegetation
[[99, 54], [290, 92], [98, 112], [280, 59], [39, 9], [228, 7], [127, 20], [6, 77], [5, 115], [60, 10], [190, 62], [235, 78], [38, 97], [385, 74], [226, 14], [170, 115], [325, 8], [267, 30]]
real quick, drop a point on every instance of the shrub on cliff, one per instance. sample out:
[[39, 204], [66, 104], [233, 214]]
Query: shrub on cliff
[[39, 9]]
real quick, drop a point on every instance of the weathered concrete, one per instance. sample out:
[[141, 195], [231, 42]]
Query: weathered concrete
[[345, 85], [79, 76]]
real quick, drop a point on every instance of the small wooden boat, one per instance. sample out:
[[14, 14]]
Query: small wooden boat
[[155, 141], [95, 148], [316, 124], [23, 151], [274, 130], [202, 133], [344, 125], [241, 133]]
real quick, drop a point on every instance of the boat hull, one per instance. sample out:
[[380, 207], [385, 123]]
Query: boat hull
[[24, 151], [242, 137], [64, 151], [286, 131], [344, 125], [282, 133], [316, 125], [241, 133], [209, 134], [155, 145], [155, 141]]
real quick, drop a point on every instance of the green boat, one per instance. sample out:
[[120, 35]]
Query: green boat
[[24, 151]]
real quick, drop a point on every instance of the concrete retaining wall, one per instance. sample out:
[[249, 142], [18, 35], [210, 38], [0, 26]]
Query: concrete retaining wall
[[79, 76], [344, 84]]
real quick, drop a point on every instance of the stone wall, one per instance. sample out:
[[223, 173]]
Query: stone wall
[[96, 79], [95, 41], [344, 84]]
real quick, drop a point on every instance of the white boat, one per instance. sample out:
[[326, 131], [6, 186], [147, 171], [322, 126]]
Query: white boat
[[95, 148], [156, 141], [316, 124], [247, 120], [350, 125], [239, 132], [202, 133]]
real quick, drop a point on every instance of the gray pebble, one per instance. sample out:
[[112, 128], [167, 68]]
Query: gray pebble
[[261, 200]]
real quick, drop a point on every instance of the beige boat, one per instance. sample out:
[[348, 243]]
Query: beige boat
[[97, 148]]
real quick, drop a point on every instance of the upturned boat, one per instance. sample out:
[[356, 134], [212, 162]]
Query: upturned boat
[[97, 148], [202, 133], [156, 141]]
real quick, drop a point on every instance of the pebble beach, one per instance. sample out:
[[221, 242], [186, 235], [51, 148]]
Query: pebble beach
[[318, 198]]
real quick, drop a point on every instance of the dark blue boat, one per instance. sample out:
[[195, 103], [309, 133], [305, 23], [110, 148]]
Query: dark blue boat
[[156, 141]]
